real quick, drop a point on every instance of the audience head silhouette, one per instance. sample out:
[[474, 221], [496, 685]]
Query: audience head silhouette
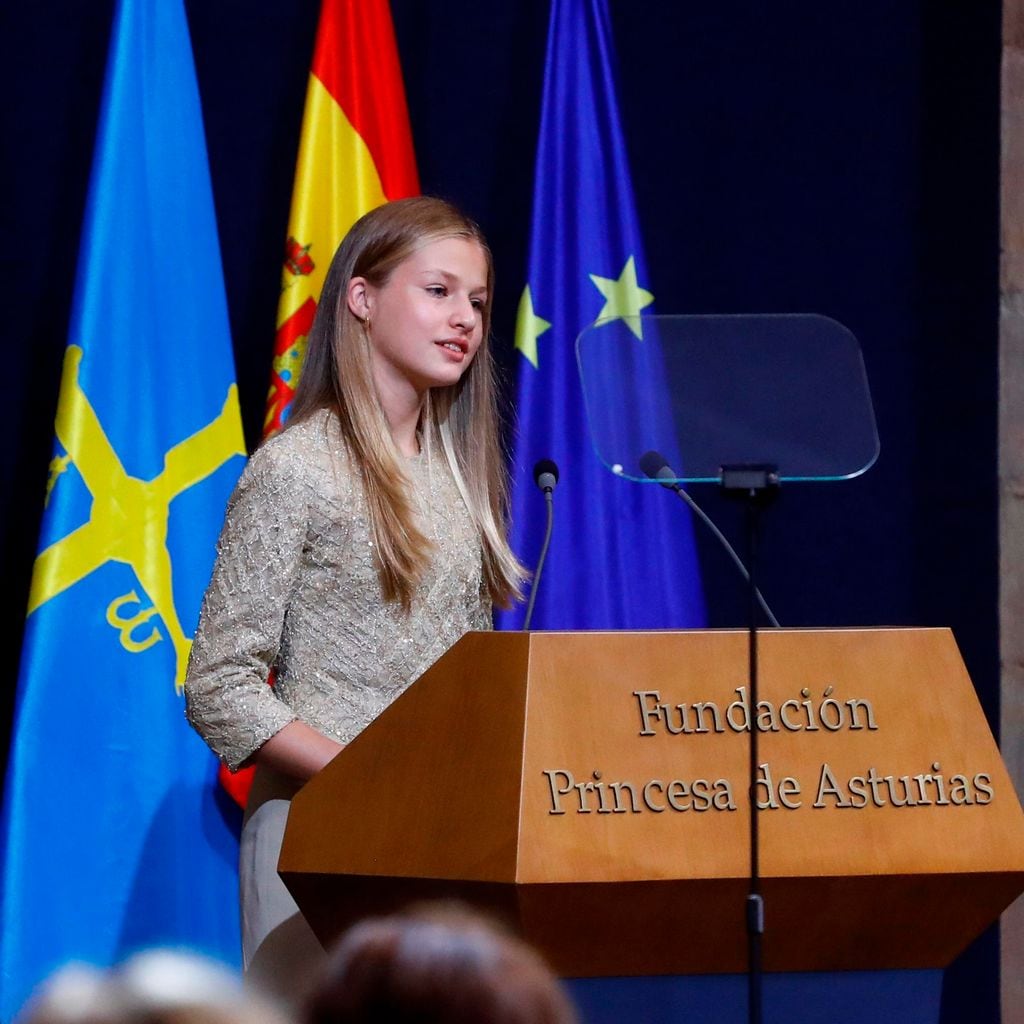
[[436, 964], [153, 987]]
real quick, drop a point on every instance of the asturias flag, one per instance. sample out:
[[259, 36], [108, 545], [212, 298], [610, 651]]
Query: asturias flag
[[110, 840], [355, 153], [622, 554]]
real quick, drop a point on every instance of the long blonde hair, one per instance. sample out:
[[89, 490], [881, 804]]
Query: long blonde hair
[[460, 420]]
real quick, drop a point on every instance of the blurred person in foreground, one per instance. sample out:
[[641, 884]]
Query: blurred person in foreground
[[436, 963], [152, 987]]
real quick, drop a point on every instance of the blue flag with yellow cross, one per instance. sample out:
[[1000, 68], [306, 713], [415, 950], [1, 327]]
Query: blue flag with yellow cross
[[111, 839], [621, 554]]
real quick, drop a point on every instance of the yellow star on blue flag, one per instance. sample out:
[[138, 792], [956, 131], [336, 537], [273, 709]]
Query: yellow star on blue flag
[[624, 298], [529, 327]]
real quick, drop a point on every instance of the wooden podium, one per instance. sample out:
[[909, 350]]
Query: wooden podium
[[591, 788]]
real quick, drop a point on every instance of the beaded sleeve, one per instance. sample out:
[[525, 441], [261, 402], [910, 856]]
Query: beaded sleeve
[[295, 590]]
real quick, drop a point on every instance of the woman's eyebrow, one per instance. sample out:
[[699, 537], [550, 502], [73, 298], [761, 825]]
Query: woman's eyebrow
[[449, 276]]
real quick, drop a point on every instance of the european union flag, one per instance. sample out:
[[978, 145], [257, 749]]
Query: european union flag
[[111, 840], [622, 553]]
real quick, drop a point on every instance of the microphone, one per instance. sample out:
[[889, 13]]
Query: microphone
[[655, 466], [545, 476]]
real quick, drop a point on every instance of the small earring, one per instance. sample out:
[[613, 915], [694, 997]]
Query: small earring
[[366, 323]]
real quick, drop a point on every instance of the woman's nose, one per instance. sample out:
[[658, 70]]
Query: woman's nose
[[464, 315]]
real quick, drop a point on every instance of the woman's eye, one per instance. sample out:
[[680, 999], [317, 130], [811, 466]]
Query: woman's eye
[[477, 303], [437, 290]]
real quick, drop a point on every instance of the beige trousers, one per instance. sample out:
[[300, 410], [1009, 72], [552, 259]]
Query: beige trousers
[[281, 956]]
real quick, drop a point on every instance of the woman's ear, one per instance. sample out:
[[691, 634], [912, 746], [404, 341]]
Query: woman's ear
[[358, 297]]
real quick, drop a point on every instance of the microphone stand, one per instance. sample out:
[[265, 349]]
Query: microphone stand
[[757, 485], [546, 476]]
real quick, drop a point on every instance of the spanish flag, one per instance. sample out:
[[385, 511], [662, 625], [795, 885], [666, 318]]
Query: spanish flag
[[355, 153]]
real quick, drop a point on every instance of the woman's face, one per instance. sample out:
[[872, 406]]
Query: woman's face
[[426, 322]]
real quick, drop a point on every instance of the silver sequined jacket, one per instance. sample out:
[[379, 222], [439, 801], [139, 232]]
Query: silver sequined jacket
[[294, 588]]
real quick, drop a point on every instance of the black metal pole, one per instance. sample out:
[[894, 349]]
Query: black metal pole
[[756, 485], [755, 902]]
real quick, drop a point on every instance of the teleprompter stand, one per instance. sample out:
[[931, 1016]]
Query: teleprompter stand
[[736, 400], [757, 487]]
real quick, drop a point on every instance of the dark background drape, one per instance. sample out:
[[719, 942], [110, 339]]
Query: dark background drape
[[832, 158]]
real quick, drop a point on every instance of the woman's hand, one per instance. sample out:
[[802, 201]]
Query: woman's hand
[[298, 750]]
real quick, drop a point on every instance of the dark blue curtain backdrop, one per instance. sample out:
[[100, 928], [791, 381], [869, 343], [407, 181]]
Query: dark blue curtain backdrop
[[831, 158]]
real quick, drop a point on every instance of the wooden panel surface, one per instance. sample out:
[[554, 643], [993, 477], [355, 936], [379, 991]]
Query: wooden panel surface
[[432, 787], [584, 717], [697, 926]]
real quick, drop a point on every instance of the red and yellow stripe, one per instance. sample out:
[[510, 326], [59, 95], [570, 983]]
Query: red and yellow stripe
[[355, 153]]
